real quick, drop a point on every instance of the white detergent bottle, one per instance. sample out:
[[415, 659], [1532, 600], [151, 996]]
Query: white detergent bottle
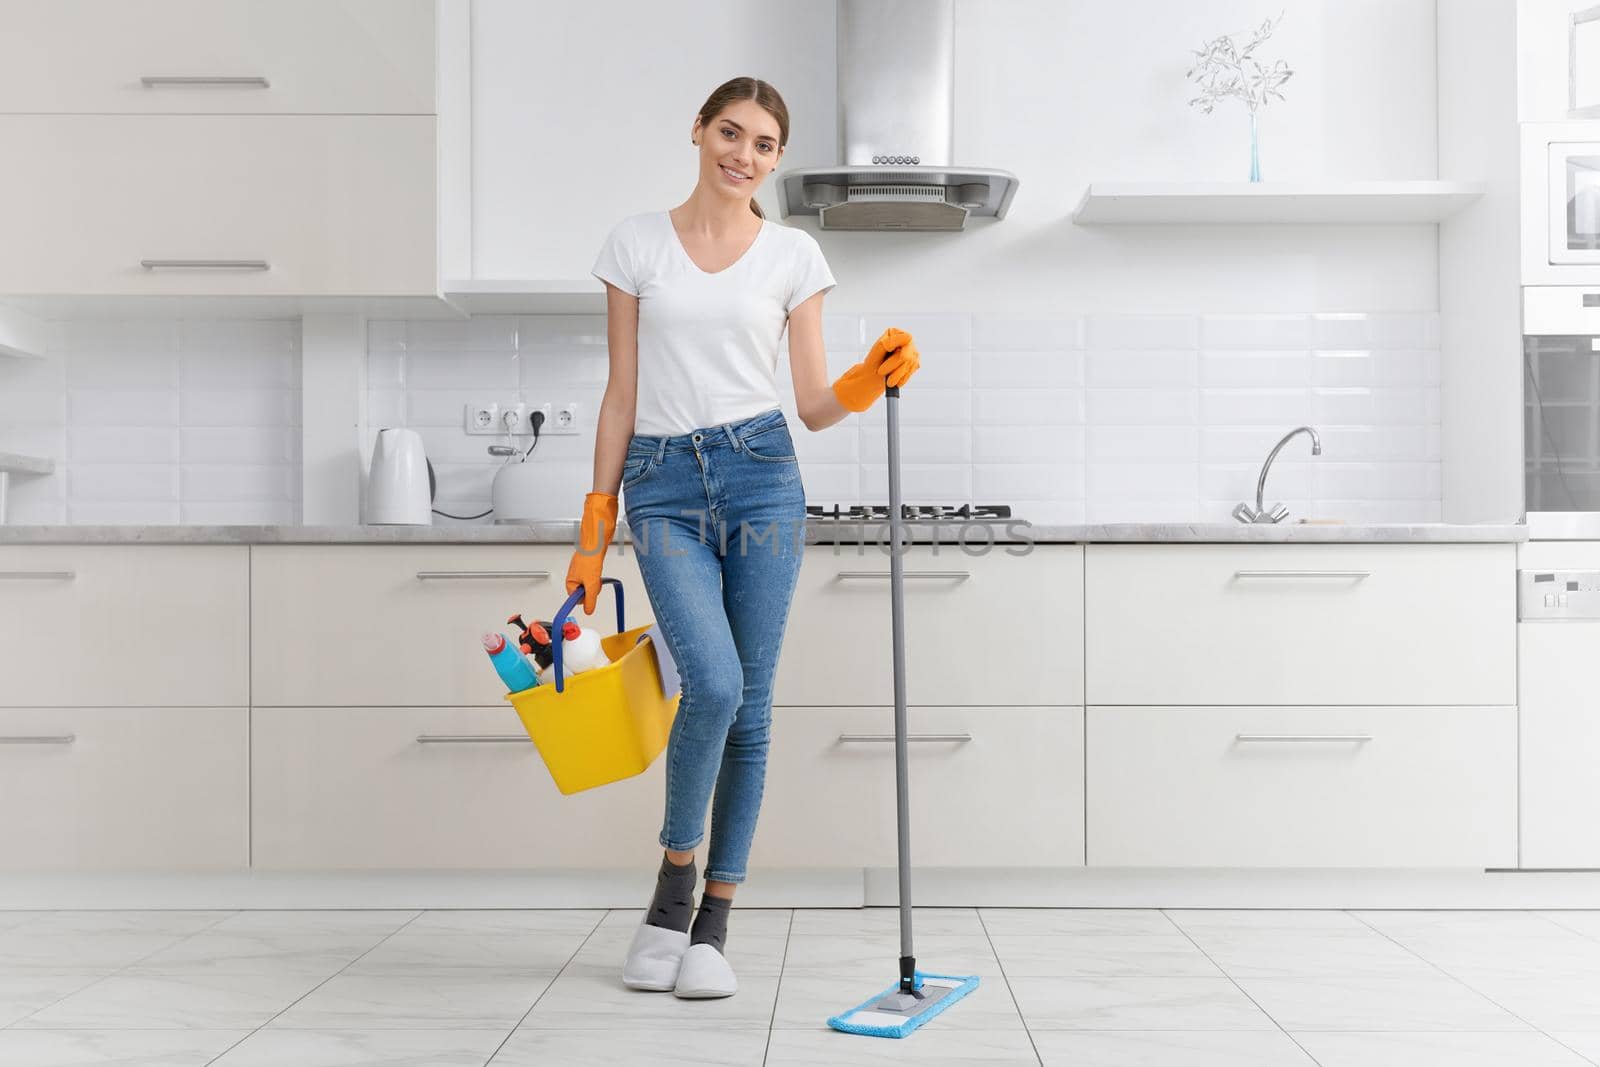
[[580, 649]]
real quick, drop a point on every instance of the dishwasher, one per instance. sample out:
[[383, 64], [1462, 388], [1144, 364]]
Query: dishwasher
[[1558, 694]]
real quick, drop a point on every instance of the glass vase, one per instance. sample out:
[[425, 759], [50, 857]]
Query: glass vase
[[1255, 154]]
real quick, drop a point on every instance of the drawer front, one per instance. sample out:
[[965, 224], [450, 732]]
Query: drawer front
[[124, 625], [392, 625], [124, 789], [330, 56], [355, 788], [1302, 787], [332, 205], [1301, 624], [990, 787], [994, 628]]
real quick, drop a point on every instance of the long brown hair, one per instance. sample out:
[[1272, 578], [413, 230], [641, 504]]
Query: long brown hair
[[765, 96]]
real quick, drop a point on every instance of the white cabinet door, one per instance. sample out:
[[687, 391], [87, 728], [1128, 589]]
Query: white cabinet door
[[990, 787], [398, 625], [90, 789], [331, 205], [558, 117], [329, 56], [1560, 744], [1301, 624], [355, 788], [1302, 787], [994, 628], [124, 625]]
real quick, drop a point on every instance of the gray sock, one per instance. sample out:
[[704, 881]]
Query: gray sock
[[711, 922], [673, 903]]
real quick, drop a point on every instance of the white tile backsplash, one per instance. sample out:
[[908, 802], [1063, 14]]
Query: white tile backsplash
[[1102, 418], [1142, 369], [1069, 418], [158, 421]]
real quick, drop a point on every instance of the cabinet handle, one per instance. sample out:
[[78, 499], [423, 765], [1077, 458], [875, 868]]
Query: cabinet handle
[[205, 264], [959, 576], [160, 81], [37, 576], [431, 576], [1351, 575], [43, 739], [1314, 738], [467, 739], [959, 739]]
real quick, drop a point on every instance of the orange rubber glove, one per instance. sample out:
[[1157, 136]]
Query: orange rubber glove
[[594, 536], [892, 361]]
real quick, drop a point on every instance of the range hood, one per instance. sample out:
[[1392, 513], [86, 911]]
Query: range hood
[[896, 117]]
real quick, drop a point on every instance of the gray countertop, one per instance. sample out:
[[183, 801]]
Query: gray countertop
[[970, 534]]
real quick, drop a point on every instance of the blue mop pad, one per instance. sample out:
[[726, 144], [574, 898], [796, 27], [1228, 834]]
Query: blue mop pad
[[870, 1019]]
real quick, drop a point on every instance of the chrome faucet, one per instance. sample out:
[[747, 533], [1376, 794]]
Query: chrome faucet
[[1243, 512]]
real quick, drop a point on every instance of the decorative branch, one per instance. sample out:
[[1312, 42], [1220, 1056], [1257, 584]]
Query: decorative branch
[[1223, 68]]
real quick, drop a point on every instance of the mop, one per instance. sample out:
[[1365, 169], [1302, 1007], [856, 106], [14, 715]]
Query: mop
[[919, 995]]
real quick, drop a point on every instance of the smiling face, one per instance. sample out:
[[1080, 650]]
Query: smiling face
[[738, 149]]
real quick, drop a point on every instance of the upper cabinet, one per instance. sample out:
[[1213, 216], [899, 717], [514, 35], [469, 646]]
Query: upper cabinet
[[217, 57], [578, 121], [211, 149], [217, 205]]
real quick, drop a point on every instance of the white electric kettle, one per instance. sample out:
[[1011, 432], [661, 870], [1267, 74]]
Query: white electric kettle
[[400, 484]]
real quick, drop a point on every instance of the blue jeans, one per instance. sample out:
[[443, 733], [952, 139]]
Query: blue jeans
[[717, 518]]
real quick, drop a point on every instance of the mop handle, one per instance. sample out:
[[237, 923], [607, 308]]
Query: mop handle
[[897, 624]]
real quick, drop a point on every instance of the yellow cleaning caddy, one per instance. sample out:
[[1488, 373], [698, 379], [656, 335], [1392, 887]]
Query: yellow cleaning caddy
[[605, 724]]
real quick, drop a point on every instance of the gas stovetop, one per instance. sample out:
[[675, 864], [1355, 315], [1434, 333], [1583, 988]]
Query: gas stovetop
[[910, 512]]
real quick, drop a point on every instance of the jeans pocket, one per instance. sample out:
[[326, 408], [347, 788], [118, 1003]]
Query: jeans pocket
[[636, 467], [771, 446]]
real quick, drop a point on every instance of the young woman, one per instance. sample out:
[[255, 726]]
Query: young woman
[[690, 430]]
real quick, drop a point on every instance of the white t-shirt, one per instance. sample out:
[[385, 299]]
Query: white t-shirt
[[708, 343]]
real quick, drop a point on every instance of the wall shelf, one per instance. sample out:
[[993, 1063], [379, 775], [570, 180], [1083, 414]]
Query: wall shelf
[[24, 318], [17, 463], [496, 296], [21, 334], [1270, 203]]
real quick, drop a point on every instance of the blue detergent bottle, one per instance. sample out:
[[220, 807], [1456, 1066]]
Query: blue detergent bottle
[[509, 663]]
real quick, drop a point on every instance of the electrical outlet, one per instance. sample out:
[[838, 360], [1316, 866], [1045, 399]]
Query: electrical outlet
[[483, 418], [514, 418], [566, 420], [544, 427], [559, 419]]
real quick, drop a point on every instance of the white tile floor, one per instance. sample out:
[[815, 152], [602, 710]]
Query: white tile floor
[[1080, 987]]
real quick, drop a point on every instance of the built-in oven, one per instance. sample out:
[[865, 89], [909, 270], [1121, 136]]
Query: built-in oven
[[1561, 203], [1561, 409]]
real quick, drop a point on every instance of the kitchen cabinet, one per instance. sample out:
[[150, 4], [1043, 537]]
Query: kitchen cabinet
[[1003, 627], [404, 788], [218, 205], [398, 625], [124, 625], [455, 788], [279, 57], [118, 788], [552, 168], [374, 736], [1302, 787], [991, 787], [1301, 624]]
